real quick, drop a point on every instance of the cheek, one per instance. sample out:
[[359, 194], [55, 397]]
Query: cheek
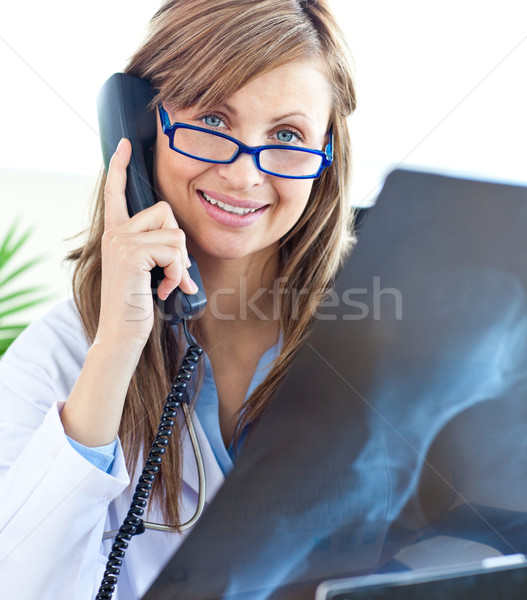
[[162, 170], [296, 195], [173, 172]]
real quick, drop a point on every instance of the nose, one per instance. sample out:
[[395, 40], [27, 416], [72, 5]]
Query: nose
[[242, 174]]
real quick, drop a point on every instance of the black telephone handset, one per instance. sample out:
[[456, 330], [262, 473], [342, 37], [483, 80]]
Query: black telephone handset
[[123, 106]]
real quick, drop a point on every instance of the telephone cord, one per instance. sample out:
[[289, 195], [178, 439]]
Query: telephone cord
[[133, 524]]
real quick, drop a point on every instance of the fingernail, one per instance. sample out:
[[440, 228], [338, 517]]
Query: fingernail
[[193, 285], [120, 144]]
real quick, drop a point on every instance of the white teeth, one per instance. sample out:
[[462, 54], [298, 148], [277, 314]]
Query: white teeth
[[237, 210]]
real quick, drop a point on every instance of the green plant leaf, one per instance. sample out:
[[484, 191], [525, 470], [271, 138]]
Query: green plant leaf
[[19, 307], [7, 252], [13, 300], [12, 329], [5, 343], [8, 237], [22, 269], [20, 293]]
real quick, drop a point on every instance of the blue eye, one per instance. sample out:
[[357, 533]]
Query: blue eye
[[289, 136], [212, 120], [286, 136]]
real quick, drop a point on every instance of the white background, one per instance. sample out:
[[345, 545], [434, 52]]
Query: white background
[[441, 86]]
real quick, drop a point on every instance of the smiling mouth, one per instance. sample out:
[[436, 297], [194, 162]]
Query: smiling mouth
[[236, 210]]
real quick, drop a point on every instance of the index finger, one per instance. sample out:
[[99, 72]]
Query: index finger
[[115, 210]]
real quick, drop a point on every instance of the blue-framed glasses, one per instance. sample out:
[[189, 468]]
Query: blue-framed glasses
[[215, 147]]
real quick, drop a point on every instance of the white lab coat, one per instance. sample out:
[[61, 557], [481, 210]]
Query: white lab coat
[[55, 505]]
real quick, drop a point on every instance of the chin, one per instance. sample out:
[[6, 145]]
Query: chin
[[222, 250]]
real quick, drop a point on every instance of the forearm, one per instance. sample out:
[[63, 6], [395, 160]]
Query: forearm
[[93, 412]]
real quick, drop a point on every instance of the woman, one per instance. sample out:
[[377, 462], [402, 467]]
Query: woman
[[82, 389]]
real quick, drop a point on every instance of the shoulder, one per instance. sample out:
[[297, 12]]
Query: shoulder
[[51, 350]]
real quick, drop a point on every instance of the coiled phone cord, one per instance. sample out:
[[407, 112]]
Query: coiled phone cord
[[133, 524]]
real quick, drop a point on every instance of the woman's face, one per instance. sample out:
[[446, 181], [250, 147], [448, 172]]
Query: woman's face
[[290, 104]]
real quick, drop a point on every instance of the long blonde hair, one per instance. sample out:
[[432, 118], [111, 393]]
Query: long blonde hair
[[200, 52]]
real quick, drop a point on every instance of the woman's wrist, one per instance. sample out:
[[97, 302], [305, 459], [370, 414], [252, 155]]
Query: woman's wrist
[[122, 351]]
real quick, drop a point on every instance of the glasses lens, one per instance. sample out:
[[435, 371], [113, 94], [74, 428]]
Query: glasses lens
[[293, 163], [201, 144]]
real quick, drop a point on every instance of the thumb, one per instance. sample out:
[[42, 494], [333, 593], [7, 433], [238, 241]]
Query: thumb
[[115, 210]]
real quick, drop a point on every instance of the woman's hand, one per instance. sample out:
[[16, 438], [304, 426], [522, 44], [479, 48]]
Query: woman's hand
[[131, 248]]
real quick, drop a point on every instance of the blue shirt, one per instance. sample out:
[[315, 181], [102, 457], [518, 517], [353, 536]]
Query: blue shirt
[[207, 410]]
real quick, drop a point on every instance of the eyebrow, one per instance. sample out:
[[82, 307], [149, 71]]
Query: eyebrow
[[295, 114], [231, 109]]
